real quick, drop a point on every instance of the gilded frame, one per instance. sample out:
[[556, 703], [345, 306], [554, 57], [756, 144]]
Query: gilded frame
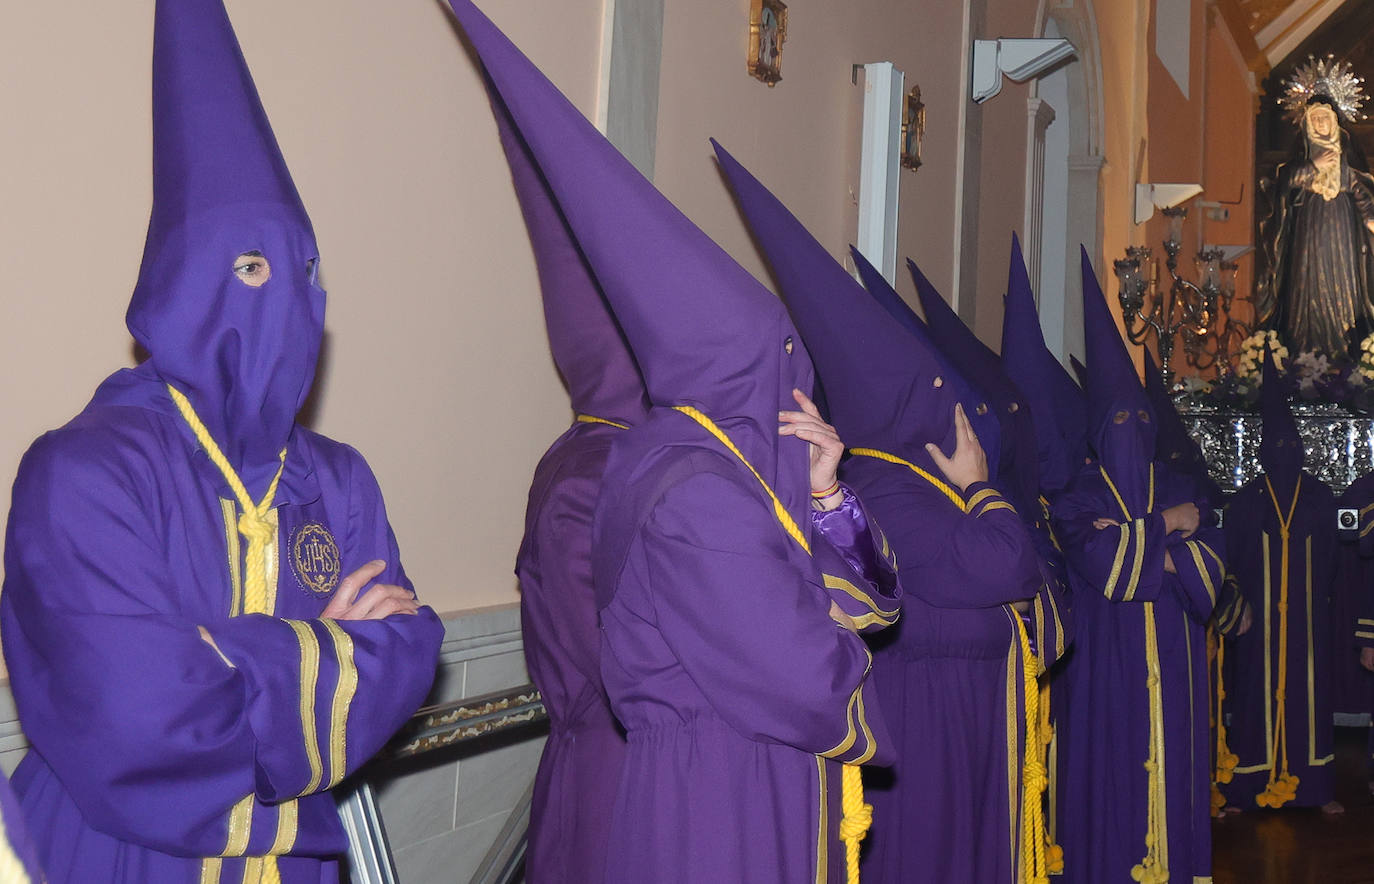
[[767, 33]]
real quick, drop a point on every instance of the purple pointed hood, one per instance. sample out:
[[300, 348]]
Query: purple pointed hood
[[1281, 448], [244, 356], [1056, 402], [1175, 446], [705, 333], [1121, 422], [587, 344], [976, 407], [881, 390], [1018, 469]]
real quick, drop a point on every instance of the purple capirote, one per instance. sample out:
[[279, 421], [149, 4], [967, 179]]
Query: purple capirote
[[159, 756], [739, 694], [949, 674], [575, 785]]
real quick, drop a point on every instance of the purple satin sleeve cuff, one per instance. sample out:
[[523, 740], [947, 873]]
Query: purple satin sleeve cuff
[[846, 528]]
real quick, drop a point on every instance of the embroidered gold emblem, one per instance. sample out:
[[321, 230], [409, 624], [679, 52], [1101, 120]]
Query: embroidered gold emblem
[[315, 558]]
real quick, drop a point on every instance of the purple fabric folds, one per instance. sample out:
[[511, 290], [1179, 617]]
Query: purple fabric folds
[[575, 786], [738, 693], [1134, 714], [1056, 402], [942, 673], [158, 757], [1284, 517]]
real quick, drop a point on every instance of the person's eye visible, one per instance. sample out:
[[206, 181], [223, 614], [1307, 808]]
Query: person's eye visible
[[252, 269]]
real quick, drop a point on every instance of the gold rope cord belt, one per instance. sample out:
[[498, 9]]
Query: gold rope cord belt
[[255, 525], [1035, 847]]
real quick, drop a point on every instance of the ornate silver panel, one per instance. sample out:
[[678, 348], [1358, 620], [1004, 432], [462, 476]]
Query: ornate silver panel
[[1339, 445]]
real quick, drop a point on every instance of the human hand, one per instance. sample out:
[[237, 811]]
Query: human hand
[[381, 600], [1103, 524], [969, 464], [1169, 563], [839, 616], [1367, 658], [826, 446], [1247, 619], [1182, 517]]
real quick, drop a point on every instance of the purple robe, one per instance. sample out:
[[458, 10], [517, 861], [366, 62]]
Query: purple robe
[[574, 788], [1352, 607], [1135, 622], [949, 679], [178, 725], [151, 748], [1255, 555], [739, 695]]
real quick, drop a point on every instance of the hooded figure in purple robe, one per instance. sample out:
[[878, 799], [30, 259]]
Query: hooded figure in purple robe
[[716, 579], [950, 675], [1281, 542], [1145, 567], [1018, 471], [1175, 446], [575, 786], [193, 668], [1055, 400]]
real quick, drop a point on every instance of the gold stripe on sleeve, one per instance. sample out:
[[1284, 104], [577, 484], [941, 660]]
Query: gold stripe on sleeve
[[288, 823], [872, 745], [1362, 634], [857, 594], [343, 700], [1365, 622], [310, 674], [979, 497], [1202, 570], [240, 827], [850, 734], [997, 505], [234, 554], [1120, 559], [210, 869], [1138, 529]]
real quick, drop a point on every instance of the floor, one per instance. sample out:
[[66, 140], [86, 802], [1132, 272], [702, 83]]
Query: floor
[[1305, 846]]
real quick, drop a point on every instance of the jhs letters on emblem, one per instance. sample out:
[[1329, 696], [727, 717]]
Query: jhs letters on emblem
[[315, 558]]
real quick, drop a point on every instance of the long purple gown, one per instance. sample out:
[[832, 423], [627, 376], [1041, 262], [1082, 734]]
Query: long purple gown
[[574, 787], [183, 727], [740, 695], [949, 675], [1282, 546], [1135, 770]]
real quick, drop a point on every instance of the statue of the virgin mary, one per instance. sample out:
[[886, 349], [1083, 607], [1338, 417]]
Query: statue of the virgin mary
[[1317, 290]]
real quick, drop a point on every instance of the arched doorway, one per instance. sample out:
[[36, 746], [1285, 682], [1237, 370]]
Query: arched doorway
[[1064, 162]]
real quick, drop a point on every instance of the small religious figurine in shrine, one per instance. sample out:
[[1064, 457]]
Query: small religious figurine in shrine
[[1317, 240]]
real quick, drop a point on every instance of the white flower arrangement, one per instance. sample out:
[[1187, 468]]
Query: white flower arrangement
[[1365, 368], [1251, 365]]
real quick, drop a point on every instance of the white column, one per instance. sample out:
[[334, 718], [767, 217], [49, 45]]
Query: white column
[[879, 165]]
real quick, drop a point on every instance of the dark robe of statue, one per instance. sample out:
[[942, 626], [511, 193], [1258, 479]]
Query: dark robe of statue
[[1317, 240]]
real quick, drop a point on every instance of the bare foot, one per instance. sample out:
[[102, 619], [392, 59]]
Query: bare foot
[[1333, 808], [1230, 808]]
